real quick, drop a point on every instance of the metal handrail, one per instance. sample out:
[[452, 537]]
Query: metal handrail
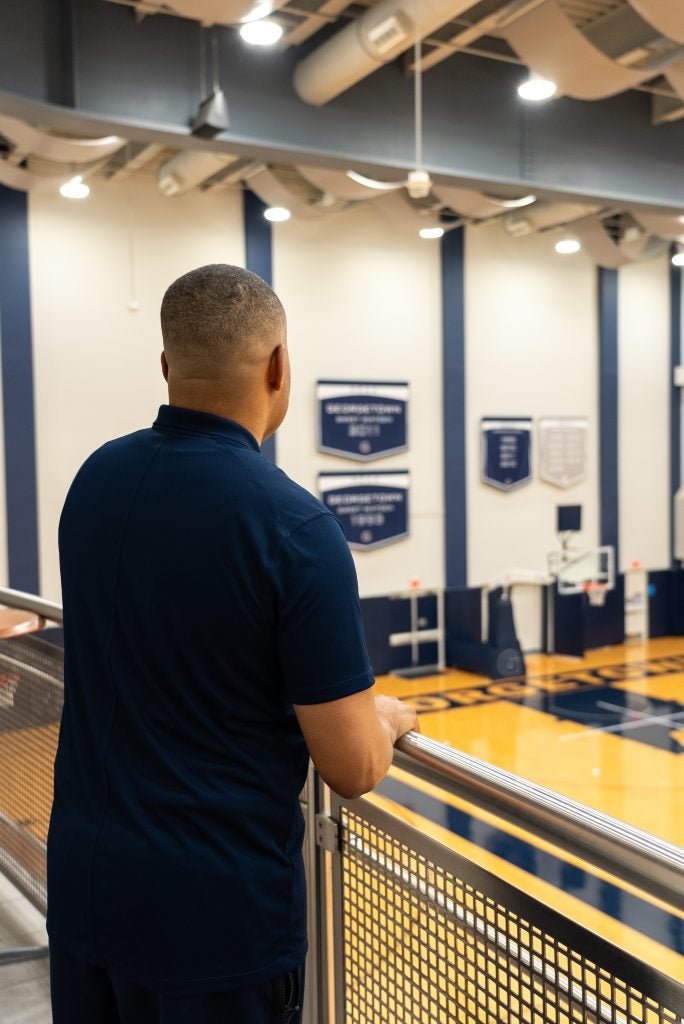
[[653, 865], [30, 603]]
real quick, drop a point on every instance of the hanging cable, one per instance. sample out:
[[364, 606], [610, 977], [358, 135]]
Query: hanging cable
[[214, 59], [418, 88]]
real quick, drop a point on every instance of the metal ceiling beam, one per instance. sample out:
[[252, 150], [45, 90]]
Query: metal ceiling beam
[[142, 81]]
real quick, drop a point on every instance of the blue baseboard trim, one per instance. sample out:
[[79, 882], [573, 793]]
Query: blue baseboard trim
[[16, 347], [259, 259]]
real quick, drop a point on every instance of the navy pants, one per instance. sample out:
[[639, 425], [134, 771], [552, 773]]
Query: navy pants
[[86, 994]]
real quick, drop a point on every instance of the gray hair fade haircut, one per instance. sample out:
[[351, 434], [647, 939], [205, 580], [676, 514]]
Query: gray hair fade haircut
[[217, 314]]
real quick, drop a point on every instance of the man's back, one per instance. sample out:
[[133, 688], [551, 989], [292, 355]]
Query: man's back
[[201, 593]]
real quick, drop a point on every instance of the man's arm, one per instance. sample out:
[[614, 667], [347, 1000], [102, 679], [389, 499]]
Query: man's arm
[[351, 740]]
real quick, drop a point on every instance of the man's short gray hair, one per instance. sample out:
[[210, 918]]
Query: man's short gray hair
[[217, 314]]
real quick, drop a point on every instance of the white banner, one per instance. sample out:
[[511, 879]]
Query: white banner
[[563, 450]]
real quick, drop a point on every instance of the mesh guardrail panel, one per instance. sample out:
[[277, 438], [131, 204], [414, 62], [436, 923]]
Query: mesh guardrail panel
[[427, 938], [31, 696]]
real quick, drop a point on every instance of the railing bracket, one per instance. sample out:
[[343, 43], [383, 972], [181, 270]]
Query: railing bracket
[[327, 833]]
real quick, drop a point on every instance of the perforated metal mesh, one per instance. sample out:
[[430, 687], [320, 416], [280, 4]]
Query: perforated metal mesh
[[31, 696], [424, 946]]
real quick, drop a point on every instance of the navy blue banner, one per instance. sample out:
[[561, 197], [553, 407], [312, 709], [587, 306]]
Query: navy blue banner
[[372, 507], [362, 420], [506, 448]]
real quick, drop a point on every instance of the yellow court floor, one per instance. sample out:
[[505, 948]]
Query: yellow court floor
[[606, 730]]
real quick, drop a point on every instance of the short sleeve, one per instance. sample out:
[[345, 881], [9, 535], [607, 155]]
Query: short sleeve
[[320, 631]]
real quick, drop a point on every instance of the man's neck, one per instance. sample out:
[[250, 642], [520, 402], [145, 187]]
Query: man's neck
[[239, 412]]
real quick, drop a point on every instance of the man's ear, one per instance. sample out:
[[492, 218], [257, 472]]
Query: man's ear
[[164, 366], [276, 368]]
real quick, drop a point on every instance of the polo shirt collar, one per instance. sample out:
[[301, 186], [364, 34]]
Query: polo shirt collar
[[173, 417]]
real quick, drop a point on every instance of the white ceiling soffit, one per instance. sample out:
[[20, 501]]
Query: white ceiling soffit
[[598, 244], [189, 169], [54, 147], [675, 76], [28, 181], [377, 37], [208, 12], [468, 203], [548, 42], [400, 209], [338, 184], [545, 215], [669, 227], [665, 15], [274, 192]]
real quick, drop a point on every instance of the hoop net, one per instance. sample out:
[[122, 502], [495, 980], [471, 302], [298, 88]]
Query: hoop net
[[596, 592]]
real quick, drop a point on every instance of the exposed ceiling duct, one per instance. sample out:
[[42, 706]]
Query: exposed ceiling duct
[[665, 15], [189, 169], [287, 187], [377, 37], [339, 184]]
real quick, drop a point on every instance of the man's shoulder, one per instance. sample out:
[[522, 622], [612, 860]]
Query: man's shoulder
[[291, 502]]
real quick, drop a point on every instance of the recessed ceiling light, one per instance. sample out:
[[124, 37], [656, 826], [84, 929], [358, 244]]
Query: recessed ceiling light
[[277, 213], [568, 246], [536, 89], [431, 232], [678, 259], [681, 219], [261, 33], [75, 189]]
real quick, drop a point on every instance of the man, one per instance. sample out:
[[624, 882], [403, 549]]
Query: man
[[213, 639]]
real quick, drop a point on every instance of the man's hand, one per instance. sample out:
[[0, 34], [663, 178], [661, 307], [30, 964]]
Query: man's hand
[[397, 717], [351, 740]]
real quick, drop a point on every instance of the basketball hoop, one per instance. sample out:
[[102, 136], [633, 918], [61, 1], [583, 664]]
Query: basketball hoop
[[596, 592]]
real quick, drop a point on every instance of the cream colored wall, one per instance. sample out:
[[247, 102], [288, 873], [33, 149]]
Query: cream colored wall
[[97, 370], [363, 302], [531, 350], [644, 414]]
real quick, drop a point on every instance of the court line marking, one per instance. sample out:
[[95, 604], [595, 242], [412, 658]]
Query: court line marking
[[672, 721]]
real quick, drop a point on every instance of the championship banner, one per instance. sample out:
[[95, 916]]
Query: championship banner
[[563, 450], [362, 420], [506, 452], [372, 507]]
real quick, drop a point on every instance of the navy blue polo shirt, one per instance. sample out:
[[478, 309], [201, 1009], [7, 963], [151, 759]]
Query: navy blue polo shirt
[[204, 594]]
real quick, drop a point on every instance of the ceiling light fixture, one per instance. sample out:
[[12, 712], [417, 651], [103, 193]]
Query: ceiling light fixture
[[276, 214], [568, 246], [261, 33], [678, 258], [431, 232], [75, 189], [535, 89]]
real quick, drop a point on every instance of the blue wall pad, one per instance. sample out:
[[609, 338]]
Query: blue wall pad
[[608, 407], [453, 366], [568, 623], [666, 602], [383, 616], [675, 399], [17, 393], [606, 625], [259, 259], [500, 657]]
